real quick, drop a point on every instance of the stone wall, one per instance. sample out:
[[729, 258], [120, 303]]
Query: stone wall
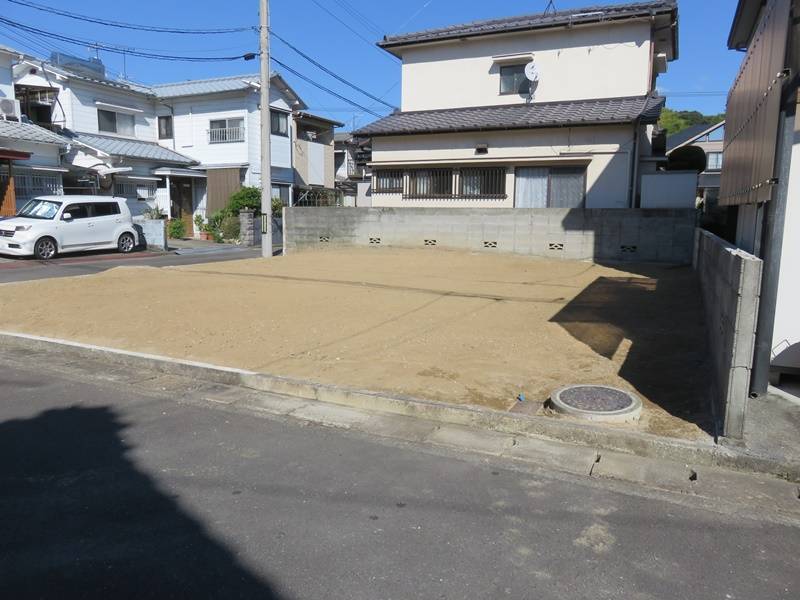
[[657, 235], [730, 280]]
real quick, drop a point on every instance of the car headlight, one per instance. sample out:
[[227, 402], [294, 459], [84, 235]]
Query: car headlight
[[23, 228]]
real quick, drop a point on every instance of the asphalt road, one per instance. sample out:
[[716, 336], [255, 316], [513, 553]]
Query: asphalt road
[[87, 263], [143, 491]]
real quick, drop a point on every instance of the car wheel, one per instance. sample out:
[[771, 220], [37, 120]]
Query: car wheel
[[126, 243], [45, 248]]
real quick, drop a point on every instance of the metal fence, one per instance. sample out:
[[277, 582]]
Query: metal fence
[[319, 197], [30, 185], [226, 134]]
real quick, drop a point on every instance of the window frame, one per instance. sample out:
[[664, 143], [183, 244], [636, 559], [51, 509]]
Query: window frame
[[388, 174], [515, 92], [718, 161], [171, 132], [227, 127], [495, 174], [278, 113], [550, 169], [116, 129]]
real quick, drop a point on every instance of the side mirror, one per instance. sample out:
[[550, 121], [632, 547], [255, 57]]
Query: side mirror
[[66, 217]]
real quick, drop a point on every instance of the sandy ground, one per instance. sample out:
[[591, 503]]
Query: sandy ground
[[448, 326]]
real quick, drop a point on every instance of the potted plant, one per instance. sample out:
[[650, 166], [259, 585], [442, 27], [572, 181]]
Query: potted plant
[[202, 228]]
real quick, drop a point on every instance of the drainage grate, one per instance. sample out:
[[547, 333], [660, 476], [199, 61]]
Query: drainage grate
[[375, 240], [490, 244], [324, 239], [597, 402], [555, 246], [628, 249], [430, 242]]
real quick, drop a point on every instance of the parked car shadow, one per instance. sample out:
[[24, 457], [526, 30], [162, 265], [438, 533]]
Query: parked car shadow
[[660, 314], [80, 520]]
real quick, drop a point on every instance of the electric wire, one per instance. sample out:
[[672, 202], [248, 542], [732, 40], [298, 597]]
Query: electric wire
[[123, 25]]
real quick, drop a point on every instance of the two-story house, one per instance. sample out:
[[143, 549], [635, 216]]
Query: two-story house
[[30, 156], [543, 110], [185, 146]]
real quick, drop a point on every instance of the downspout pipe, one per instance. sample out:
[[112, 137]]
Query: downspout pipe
[[634, 164]]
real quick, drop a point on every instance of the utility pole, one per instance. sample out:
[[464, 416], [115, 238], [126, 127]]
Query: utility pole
[[266, 162]]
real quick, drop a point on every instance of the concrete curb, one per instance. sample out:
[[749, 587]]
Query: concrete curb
[[626, 442]]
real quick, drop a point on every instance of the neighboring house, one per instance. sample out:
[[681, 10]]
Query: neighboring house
[[710, 140], [761, 173], [30, 156], [185, 146], [217, 122], [473, 131], [353, 175]]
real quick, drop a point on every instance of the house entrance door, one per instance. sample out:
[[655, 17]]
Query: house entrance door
[[182, 208]]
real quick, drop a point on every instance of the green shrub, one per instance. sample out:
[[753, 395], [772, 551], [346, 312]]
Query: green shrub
[[247, 197], [215, 220], [153, 212], [199, 222], [176, 229], [277, 208], [230, 228]]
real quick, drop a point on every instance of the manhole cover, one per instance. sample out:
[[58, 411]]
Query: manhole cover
[[597, 403]]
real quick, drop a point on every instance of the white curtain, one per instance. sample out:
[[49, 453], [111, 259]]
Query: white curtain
[[531, 187]]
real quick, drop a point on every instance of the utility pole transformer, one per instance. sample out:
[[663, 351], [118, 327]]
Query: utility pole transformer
[[266, 162]]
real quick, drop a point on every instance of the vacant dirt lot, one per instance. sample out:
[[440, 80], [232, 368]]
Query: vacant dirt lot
[[449, 326]]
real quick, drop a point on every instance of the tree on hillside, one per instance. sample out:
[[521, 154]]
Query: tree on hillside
[[677, 120]]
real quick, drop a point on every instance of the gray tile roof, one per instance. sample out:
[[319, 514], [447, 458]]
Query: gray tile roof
[[688, 134], [204, 86], [519, 116], [28, 132], [590, 14], [132, 148]]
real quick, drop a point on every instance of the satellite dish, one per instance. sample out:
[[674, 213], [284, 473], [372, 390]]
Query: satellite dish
[[531, 72]]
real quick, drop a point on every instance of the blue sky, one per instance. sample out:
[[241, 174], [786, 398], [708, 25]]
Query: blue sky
[[705, 64]]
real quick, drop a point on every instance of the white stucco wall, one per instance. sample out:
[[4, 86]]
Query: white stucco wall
[[83, 98], [600, 61], [606, 152], [42, 155]]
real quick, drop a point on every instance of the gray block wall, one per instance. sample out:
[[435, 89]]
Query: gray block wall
[[651, 235], [730, 280], [152, 233]]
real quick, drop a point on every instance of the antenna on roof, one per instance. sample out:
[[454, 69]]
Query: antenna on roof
[[550, 8]]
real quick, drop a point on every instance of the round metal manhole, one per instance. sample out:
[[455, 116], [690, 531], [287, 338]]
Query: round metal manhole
[[597, 403]]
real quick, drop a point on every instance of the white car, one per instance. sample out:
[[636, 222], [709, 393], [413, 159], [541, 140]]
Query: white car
[[48, 225]]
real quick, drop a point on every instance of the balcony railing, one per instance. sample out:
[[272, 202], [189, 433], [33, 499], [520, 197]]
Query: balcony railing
[[226, 135]]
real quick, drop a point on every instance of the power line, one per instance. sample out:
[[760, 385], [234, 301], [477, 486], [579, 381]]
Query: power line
[[323, 88], [415, 15], [359, 16], [120, 50], [332, 73], [361, 37], [123, 25]]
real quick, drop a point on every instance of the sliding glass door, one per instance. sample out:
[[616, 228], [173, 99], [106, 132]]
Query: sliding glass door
[[550, 187]]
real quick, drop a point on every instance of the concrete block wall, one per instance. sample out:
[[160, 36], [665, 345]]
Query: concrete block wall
[[656, 235], [152, 233], [730, 280]]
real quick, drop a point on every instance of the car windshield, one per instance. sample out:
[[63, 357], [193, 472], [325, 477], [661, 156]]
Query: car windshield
[[39, 209]]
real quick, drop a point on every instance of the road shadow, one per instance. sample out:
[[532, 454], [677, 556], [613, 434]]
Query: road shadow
[[660, 313], [80, 520]]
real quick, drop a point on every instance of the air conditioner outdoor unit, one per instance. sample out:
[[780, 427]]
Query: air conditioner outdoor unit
[[9, 109]]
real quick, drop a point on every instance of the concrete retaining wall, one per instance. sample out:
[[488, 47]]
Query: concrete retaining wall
[[659, 235], [730, 280], [152, 233]]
